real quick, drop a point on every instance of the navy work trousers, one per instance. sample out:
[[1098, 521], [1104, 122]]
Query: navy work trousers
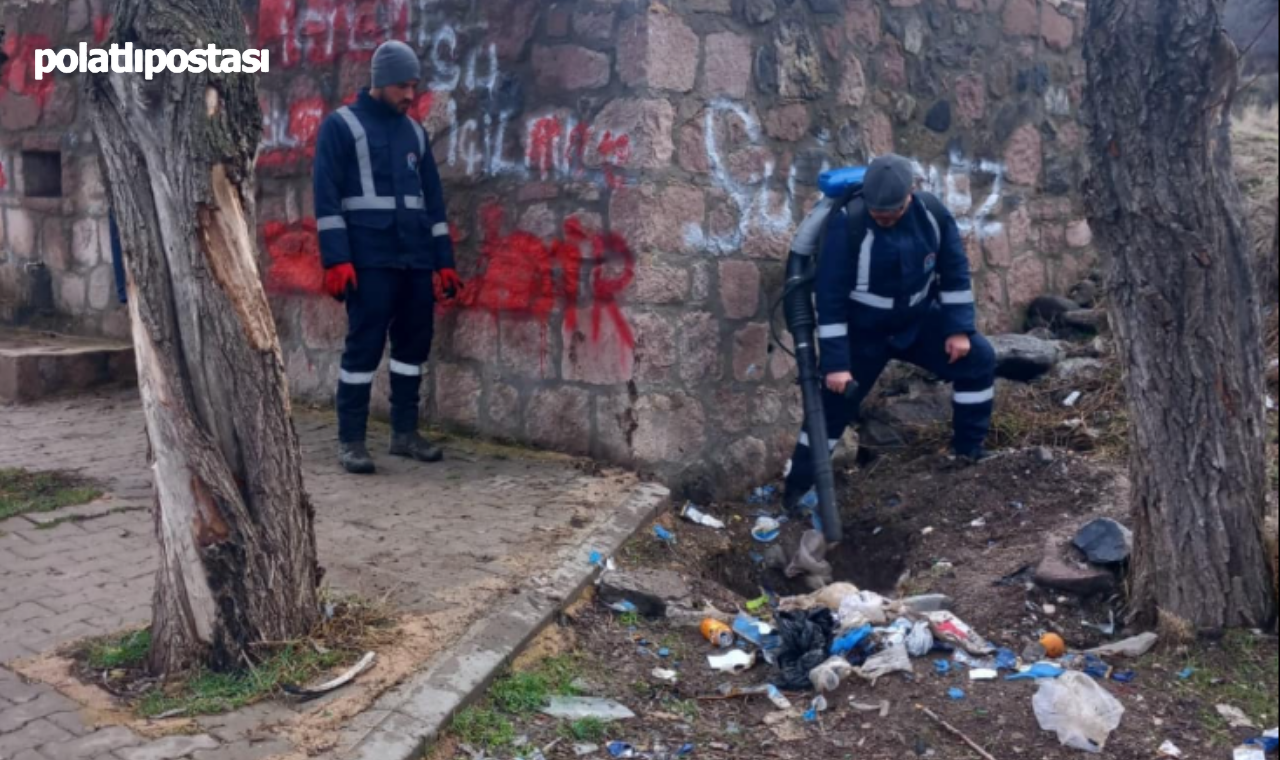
[[399, 303]]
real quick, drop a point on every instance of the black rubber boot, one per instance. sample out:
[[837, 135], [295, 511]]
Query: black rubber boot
[[414, 446], [974, 458], [355, 459]]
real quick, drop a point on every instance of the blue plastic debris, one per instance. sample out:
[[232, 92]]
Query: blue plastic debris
[[1124, 676], [621, 749], [1186, 674], [664, 653], [1096, 668], [942, 667], [686, 750], [1037, 672], [957, 694], [597, 559], [1006, 660], [851, 640], [763, 495], [1269, 743], [810, 501], [664, 535], [624, 608]]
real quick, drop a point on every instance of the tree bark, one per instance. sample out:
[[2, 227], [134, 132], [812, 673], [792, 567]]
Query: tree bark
[[1165, 205], [1271, 267], [235, 527]]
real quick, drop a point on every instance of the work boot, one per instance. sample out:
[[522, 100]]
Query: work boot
[[975, 457], [355, 459], [414, 446]]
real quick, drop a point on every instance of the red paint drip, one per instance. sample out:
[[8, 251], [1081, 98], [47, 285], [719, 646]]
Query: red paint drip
[[18, 76], [294, 254], [4, 181], [606, 291], [542, 141], [616, 153]]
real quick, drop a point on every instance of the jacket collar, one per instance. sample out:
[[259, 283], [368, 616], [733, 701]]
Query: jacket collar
[[375, 107]]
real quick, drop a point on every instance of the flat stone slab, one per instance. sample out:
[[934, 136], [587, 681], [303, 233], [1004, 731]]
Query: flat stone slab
[[37, 365]]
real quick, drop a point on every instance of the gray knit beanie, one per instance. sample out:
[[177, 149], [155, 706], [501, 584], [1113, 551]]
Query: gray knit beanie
[[395, 63], [890, 180]]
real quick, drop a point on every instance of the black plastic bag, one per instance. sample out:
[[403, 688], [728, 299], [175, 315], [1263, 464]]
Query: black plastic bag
[[806, 637]]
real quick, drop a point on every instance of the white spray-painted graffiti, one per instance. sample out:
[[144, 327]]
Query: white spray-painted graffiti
[[766, 203]]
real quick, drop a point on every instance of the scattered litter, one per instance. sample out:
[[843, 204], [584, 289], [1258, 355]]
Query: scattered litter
[[669, 676], [664, 653], [605, 563], [624, 608], [757, 632], [736, 662], [1054, 646], [830, 598], [1106, 629], [1034, 652], [1269, 742], [1079, 711], [1038, 672], [698, 517], [1236, 717], [828, 676], [1186, 674], [1169, 749], [767, 530], [957, 694], [920, 641], [585, 750], [811, 559], [621, 750], [729, 691], [756, 606], [763, 496], [983, 674], [892, 660], [928, 531], [864, 605], [883, 708], [1249, 752], [942, 667], [1124, 676], [717, 633], [1049, 610], [952, 630], [928, 603], [806, 639], [810, 501], [818, 707], [664, 535], [329, 687], [851, 640], [1006, 660], [1138, 646], [1073, 399], [981, 522]]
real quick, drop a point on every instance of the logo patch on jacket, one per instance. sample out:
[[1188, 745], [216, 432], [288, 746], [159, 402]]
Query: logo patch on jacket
[[413, 162], [931, 262]]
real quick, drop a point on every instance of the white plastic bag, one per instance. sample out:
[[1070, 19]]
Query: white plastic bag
[[865, 605], [920, 640], [828, 676], [892, 660], [1079, 710]]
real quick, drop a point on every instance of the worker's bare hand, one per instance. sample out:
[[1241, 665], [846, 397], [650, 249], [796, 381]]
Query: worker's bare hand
[[839, 382], [958, 347]]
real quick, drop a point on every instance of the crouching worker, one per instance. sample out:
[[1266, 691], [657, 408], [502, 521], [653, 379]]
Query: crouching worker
[[386, 250], [894, 283]]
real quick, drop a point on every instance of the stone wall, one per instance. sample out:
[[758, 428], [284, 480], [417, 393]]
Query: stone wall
[[624, 176]]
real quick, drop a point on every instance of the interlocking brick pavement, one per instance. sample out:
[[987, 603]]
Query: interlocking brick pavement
[[464, 533]]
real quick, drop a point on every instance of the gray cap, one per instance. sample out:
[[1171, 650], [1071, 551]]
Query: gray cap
[[395, 63], [890, 181]]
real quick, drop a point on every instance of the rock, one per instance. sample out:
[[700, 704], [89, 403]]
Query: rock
[[1105, 542], [1086, 294], [1061, 570], [1047, 311], [1087, 320], [939, 117], [1024, 358], [896, 420], [1079, 369], [651, 591], [1044, 455]]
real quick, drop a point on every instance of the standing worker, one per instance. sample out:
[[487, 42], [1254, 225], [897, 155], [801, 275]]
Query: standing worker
[[386, 250], [894, 283]]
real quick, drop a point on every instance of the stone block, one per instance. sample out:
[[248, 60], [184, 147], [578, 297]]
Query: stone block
[[656, 355], [457, 394], [971, 98], [760, 11], [595, 24], [603, 357], [1057, 30], [84, 243], [853, 83], [20, 112], [647, 126], [102, 288], [502, 411], [1027, 280], [1024, 156], [669, 429], [658, 50], [324, 323], [789, 123], [1080, 234], [615, 425], [70, 294], [524, 348], [727, 66], [475, 336], [863, 23], [652, 220], [560, 419], [23, 228], [700, 344], [751, 353], [1062, 570], [570, 67], [658, 283], [891, 67], [997, 250], [801, 73], [1022, 18], [743, 462], [740, 289]]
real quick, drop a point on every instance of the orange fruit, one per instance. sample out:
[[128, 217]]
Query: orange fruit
[[1054, 645]]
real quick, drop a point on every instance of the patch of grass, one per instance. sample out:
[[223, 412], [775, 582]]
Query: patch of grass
[[687, 709], [484, 728], [629, 620], [23, 492], [585, 731], [125, 652], [207, 693], [521, 694], [1250, 684]]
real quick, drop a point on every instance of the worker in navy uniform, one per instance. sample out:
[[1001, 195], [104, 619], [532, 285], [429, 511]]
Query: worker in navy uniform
[[894, 284], [386, 250]]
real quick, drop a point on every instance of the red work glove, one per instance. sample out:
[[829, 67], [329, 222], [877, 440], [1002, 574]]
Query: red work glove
[[338, 280], [448, 285]]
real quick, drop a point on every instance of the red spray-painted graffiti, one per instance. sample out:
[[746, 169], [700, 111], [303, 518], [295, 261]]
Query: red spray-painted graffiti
[[289, 137], [294, 253], [18, 76], [559, 149], [4, 180], [327, 30], [525, 276]]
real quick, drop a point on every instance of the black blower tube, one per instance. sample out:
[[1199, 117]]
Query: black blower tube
[[802, 323]]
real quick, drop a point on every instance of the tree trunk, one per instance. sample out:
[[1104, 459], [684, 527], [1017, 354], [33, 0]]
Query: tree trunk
[[1271, 267], [235, 527], [1184, 302]]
